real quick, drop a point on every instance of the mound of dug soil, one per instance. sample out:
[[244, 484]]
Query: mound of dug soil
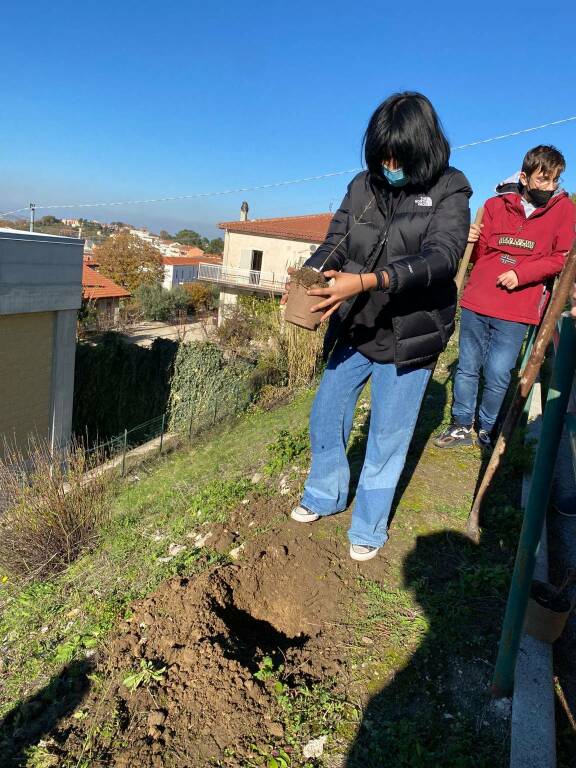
[[205, 639]]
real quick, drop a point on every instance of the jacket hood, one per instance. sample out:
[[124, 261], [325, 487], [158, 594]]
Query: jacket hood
[[511, 184]]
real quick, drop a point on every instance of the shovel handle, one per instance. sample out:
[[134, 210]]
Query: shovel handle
[[461, 276]]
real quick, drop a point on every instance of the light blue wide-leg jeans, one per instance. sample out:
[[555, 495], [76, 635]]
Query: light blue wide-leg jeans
[[396, 398]]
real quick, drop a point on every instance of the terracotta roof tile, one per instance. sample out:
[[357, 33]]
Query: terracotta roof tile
[[184, 261], [309, 228], [96, 286]]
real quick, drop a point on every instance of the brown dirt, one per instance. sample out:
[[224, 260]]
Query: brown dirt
[[287, 598], [308, 278]]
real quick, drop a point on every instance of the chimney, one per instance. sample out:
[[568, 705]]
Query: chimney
[[244, 211]]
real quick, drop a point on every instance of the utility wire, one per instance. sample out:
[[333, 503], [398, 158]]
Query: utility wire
[[272, 185]]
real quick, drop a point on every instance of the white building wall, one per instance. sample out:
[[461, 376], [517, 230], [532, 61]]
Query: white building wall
[[277, 255], [168, 276]]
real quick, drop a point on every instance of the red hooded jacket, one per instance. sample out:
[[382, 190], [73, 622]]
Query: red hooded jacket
[[534, 247]]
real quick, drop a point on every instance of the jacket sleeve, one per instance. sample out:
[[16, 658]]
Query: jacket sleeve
[[540, 269], [443, 243], [333, 252]]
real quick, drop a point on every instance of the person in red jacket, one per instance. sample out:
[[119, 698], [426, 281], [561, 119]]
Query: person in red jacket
[[526, 231]]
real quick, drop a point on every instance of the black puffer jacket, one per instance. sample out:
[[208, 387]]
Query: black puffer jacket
[[419, 236]]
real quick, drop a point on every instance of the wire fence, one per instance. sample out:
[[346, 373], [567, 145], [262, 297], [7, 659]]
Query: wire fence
[[119, 447]]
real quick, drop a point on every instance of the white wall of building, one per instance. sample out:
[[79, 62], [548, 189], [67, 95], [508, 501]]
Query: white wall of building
[[277, 255]]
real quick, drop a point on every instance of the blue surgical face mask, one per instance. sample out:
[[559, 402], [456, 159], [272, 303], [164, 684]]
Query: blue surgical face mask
[[395, 178]]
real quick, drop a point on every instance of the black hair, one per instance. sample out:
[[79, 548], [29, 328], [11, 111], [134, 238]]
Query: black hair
[[407, 129], [545, 158]]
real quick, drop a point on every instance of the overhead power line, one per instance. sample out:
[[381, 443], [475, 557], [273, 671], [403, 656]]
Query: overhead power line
[[272, 185]]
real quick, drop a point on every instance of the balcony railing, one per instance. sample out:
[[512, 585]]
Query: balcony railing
[[249, 279]]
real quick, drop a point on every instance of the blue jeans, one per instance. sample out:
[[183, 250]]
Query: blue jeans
[[396, 399], [492, 345]]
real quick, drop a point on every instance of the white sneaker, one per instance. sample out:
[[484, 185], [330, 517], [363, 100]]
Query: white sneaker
[[303, 515], [362, 552]]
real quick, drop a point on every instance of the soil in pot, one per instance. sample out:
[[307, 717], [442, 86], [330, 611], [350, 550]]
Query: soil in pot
[[299, 303]]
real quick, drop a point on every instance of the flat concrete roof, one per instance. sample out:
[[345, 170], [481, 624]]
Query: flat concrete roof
[[38, 272], [7, 233]]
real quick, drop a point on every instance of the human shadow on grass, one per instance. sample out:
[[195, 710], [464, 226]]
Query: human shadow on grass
[[436, 709], [29, 721]]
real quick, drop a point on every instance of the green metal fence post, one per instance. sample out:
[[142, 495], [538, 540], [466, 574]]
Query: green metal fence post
[[162, 433], [124, 452], [542, 473]]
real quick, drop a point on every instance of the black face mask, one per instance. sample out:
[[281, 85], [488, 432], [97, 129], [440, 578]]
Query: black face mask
[[539, 197]]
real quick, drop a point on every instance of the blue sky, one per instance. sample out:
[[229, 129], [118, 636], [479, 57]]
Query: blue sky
[[129, 100]]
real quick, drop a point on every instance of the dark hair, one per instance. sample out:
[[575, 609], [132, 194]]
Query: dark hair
[[407, 129], [544, 158]]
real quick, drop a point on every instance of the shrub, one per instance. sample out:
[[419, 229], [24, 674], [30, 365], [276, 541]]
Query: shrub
[[304, 354], [158, 303], [205, 388], [237, 332], [118, 385], [52, 514], [200, 296]]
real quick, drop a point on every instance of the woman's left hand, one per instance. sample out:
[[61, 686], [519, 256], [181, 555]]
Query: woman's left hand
[[343, 286]]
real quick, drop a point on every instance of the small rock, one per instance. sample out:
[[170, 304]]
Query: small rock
[[367, 640], [158, 536], [275, 729], [502, 706], [200, 540], [235, 553], [256, 477], [155, 733], [245, 501], [148, 619], [315, 747], [448, 716], [156, 717], [175, 549]]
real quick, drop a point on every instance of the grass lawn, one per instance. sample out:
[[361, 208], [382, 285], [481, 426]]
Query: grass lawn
[[420, 633]]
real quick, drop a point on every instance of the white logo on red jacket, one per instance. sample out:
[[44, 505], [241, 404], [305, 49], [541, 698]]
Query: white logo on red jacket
[[519, 242]]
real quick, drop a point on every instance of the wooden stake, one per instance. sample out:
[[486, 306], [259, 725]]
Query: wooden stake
[[461, 276]]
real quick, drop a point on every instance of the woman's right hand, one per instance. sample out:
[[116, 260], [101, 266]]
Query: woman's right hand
[[474, 234], [284, 298]]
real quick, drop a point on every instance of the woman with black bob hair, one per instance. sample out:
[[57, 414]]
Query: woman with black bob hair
[[392, 253]]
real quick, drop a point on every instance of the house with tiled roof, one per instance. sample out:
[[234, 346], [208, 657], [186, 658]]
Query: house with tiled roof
[[102, 292], [258, 252]]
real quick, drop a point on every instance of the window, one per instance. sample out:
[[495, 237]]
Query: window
[[256, 267]]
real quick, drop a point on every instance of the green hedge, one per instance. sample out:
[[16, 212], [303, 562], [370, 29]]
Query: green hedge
[[206, 388], [120, 385]]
